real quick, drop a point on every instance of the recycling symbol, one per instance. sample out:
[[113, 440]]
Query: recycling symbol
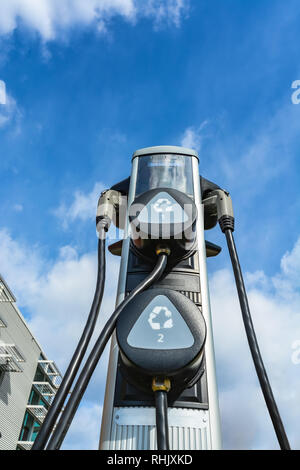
[[165, 314], [162, 208], [160, 326], [163, 205]]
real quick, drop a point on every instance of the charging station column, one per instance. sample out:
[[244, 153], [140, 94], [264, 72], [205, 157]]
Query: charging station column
[[128, 421]]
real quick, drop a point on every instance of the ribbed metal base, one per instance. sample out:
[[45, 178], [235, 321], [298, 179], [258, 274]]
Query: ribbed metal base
[[134, 429]]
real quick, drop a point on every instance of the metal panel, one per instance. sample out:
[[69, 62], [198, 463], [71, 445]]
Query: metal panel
[[46, 390], [134, 429], [52, 372], [38, 411], [25, 445], [13, 351]]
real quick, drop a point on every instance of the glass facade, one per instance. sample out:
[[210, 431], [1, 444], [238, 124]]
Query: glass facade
[[30, 428], [38, 404]]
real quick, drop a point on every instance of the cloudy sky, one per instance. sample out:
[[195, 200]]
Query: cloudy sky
[[90, 81]]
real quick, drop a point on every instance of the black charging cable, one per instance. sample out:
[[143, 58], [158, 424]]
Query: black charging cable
[[160, 388], [227, 227], [68, 379], [67, 415]]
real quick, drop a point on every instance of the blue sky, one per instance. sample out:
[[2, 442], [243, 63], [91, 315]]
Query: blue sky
[[88, 82]]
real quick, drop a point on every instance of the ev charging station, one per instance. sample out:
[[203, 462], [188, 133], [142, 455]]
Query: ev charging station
[[161, 390], [128, 414]]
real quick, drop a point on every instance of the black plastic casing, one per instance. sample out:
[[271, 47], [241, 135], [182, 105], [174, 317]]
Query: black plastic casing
[[181, 366], [179, 237]]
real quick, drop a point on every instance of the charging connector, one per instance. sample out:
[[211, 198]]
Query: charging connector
[[219, 204], [108, 209]]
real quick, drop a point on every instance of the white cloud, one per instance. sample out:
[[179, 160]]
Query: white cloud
[[249, 164], [290, 265], [2, 92], [18, 207], [84, 431], [20, 265], [83, 206], [171, 11], [10, 114], [193, 137], [50, 18]]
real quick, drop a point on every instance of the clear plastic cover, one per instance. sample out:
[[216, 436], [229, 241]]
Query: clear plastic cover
[[165, 171]]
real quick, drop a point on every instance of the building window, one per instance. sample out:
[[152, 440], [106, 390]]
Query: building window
[[40, 376], [43, 390], [36, 399], [30, 428]]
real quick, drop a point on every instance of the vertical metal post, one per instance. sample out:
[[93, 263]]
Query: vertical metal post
[[214, 413]]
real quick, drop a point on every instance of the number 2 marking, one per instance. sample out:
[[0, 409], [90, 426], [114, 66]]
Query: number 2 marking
[[160, 338]]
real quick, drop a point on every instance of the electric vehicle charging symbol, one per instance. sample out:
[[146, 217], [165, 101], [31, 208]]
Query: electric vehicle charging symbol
[[168, 321]]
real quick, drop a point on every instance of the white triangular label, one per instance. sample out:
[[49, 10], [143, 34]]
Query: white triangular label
[[162, 209], [160, 326]]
